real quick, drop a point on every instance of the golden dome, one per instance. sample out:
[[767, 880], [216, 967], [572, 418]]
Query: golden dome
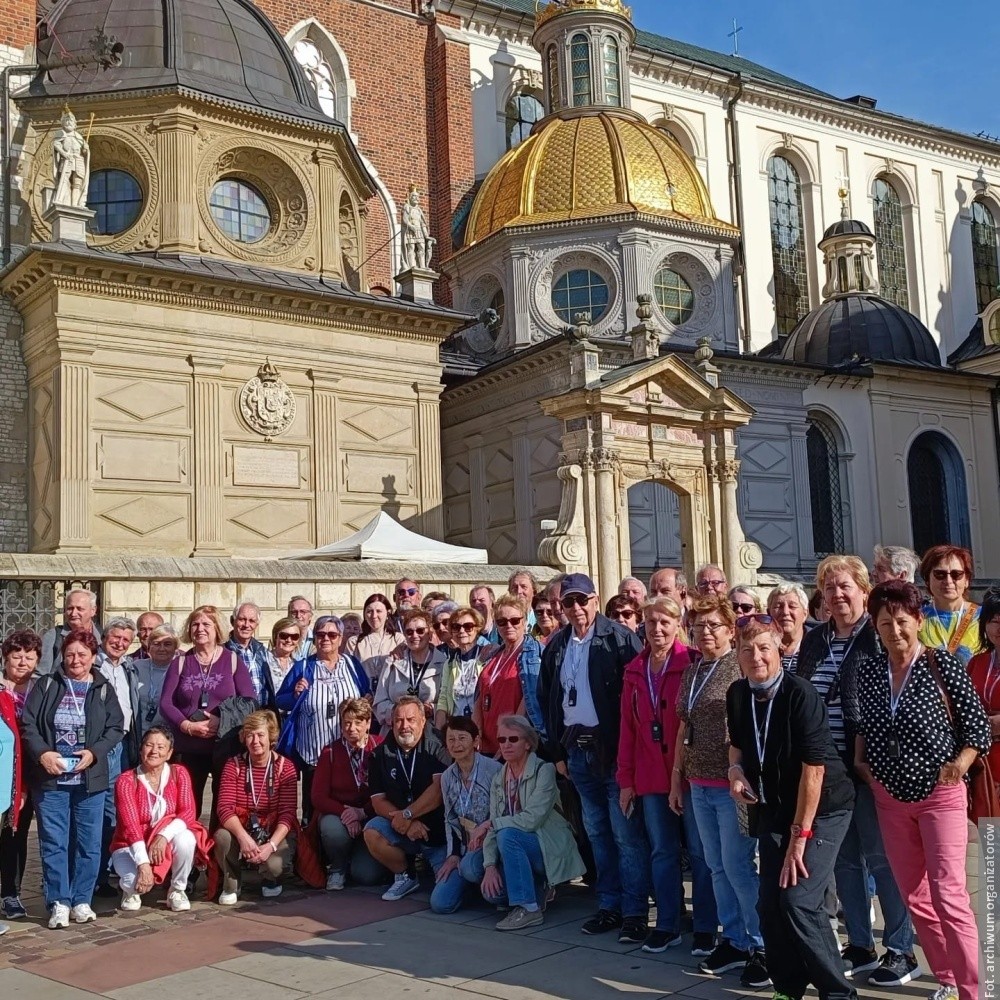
[[604, 163], [545, 9]]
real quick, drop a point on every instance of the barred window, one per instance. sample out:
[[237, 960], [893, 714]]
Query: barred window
[[580, 60], [240, 210], [674, 295], [890, 244], [116, 199], [580, 291], [788, 245], [523, 110], [612, 74], [984, 255], [824, 489]]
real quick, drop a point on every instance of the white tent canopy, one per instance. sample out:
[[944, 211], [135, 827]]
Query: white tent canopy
[[384, 538]]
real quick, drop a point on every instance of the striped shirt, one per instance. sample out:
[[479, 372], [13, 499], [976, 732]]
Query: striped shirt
[[823, 679], [70, 723], [319, 720]]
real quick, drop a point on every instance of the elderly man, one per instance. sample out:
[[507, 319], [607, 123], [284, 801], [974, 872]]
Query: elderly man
[[404, 777], [79, 612], [634, 588], [407, 596], [524, 584], [482, 599], [244, 620], [894, 562], [300, 608], [144, 626], [710, 579], [669, 582], [579, 690]]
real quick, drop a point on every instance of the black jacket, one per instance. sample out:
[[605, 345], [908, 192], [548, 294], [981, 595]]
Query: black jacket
[[102, 717], [613, 646]]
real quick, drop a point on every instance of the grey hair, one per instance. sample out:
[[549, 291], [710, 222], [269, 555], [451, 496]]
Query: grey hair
[[899, 559], [536, 586], [80, 590], [298, 597], [162, 631], [631, 579], [708, 566], [523, 726], [407, 699], [445, 607], [784, 589], [119, 622], [750, 593], [244, 604]]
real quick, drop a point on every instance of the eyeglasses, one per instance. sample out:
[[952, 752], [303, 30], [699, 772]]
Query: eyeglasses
[[508, 739], [414, 631], [745, 620], [405, 591], [544, 612], [288, 636], [443, 623], [747, 609], [326, 635], [623, 613], [501, 622], [463, 626], [943, 574], [710, 584], [707, 626], [571, 600]]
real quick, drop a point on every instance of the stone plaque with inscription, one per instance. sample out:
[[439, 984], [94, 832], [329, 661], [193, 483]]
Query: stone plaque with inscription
[[257, 466]]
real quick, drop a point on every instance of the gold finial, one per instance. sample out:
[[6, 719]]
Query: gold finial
[[842, 192], [546, 9]]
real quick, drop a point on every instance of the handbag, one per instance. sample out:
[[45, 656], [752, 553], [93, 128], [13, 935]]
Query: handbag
[[983, 799]]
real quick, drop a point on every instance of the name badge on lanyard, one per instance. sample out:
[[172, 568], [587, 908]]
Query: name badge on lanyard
[[694, 693], [892, 743]]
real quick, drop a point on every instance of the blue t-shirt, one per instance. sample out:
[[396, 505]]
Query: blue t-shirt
[[71, 726]]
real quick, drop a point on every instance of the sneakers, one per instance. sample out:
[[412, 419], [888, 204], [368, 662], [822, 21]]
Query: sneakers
[[177, 901], [58, 916], [3, 929], [634, 931], [702, 944], [657, 941], [858, 959], [944, 992], [130, 901], [402, 885], [270, 890], [602, 922], [228, 898], [895, 969], [335, 881], [82, 913], [755, 975], [724, 958], [519, 918], [13, 908]]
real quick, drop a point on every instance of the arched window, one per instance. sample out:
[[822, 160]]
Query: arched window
[[612, 74], [788, 244], [325, 67], [554, 96], [984, 254], [825, 498], [350, 243], [890, 246], [523, 110], [939, 503], [580, 63]]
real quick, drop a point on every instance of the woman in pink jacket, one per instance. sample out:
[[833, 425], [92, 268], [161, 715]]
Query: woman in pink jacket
[[646, 758]]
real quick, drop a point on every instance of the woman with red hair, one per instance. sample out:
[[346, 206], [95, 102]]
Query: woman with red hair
[[950, 619]]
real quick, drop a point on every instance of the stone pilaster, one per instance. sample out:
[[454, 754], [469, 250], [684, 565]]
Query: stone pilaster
[[803, 500], [518, 313], [72, 424], [732, 533], [328, 164], [521, 450], [429, 457], [325, 458], [477, 489], [175, 141], [606, 462], [209, 486]]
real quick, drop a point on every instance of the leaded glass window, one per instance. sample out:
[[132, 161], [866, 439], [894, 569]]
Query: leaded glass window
[[523, 110], [674, 295], [116, 199], [788, 244], [984, 254], [580, 291], [612, 74], [580, 63], [890, 246], [824, 490], [553, 60], [240, 210]]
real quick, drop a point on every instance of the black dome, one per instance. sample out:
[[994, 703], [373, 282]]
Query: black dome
[[224, 49], [848, 227], [868, 326]]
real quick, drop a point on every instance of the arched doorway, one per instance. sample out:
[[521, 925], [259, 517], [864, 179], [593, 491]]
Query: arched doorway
[[654, 523], [939, 504]]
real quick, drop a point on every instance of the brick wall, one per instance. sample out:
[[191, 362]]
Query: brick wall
[[17, 25]]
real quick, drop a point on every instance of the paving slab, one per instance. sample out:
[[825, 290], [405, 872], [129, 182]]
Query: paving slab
[[16, 984], [395, 987], [206, 984], [298, 969], [329, 912]]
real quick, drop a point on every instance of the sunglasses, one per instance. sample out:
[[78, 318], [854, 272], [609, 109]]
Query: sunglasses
[[463, 626], [943, 574], [747, 609], [414, 631], [624, 613], [745, 620], [326, 635], [571, 600], [444, 624], [501, 622], [286, 636], [405, 591], [508, 739], [544, 612]]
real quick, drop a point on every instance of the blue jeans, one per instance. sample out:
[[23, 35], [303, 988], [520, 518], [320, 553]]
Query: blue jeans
[[730, 855], [705, 916], [862, 852], [446, 896], [69, 842], [621, 852], [433, 854], [663, 828], [522, 868], [110, 814]]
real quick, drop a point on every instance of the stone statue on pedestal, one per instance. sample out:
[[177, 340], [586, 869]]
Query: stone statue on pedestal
[[418, 244], [70, 164]]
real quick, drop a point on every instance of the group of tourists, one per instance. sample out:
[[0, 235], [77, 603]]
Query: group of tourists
[[797, 759]]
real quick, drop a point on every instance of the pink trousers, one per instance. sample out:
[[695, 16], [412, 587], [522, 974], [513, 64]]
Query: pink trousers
[[925, 843]]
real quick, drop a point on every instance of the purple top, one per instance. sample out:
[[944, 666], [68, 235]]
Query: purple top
[[183, 688]]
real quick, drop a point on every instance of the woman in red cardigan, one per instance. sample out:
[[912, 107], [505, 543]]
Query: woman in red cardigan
[[342, 800], [157, 828], [984, 669]]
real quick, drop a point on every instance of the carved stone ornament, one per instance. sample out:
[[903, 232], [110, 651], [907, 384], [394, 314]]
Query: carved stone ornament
[[267, 405]]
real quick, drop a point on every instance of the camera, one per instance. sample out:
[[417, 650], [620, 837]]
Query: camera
[[259, 834]]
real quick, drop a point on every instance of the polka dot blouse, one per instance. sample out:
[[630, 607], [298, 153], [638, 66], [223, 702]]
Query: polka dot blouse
[[921, 732]]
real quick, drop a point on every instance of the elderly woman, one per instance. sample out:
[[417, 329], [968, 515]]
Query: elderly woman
[[546, 619], [984, 669], [151, 674], [70, 724], [744, 601], [415, 670], [829, 657], [199, 682], [529, 847], [286, 637], [310, 696], [460, 676], [157, 833], [352, 628], [21, 650], [788, 605], [508, 684], [701, 757], [465, 791], [921, 727], [783, 761], [342, 800], [625, 611], [950, 619], [378, 640], [441, 625], [646, 747], [256, 807]]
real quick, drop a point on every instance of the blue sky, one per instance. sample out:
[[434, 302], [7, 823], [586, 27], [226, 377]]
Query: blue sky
[[933, 62]]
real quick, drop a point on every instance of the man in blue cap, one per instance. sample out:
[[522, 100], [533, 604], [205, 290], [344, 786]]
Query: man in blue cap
[[579, 690]]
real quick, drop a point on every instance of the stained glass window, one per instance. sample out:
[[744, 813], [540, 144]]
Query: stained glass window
[[580, 291], [580, 60], [824, 489], [891, 244], [240, 210], [674, 296], [523, 110], [116, 198], [984, 254], [553, 59], [788, 245], [612, 74]]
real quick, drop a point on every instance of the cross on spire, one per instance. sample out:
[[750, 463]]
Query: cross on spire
[[735, 36]]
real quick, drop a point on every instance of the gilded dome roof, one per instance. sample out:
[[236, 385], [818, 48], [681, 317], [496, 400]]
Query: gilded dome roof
[[602, 163]]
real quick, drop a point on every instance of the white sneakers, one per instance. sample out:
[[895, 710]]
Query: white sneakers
[[177, 901], [401, 886], [82, 913], [335, 881], [229, 898], [58, 916], [130, 901]]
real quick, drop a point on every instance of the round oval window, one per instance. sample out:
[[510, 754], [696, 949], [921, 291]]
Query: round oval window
[[116, 200], [674, 296], [240, 210], [580, 291]]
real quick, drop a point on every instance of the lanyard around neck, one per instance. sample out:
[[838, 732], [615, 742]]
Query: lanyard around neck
[[895, 699], [654, 689], [694, 693]]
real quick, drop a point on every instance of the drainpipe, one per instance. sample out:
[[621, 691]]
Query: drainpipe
[[736, 199]]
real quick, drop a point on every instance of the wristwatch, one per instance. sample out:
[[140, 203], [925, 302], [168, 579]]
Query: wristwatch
[[407, 813]]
